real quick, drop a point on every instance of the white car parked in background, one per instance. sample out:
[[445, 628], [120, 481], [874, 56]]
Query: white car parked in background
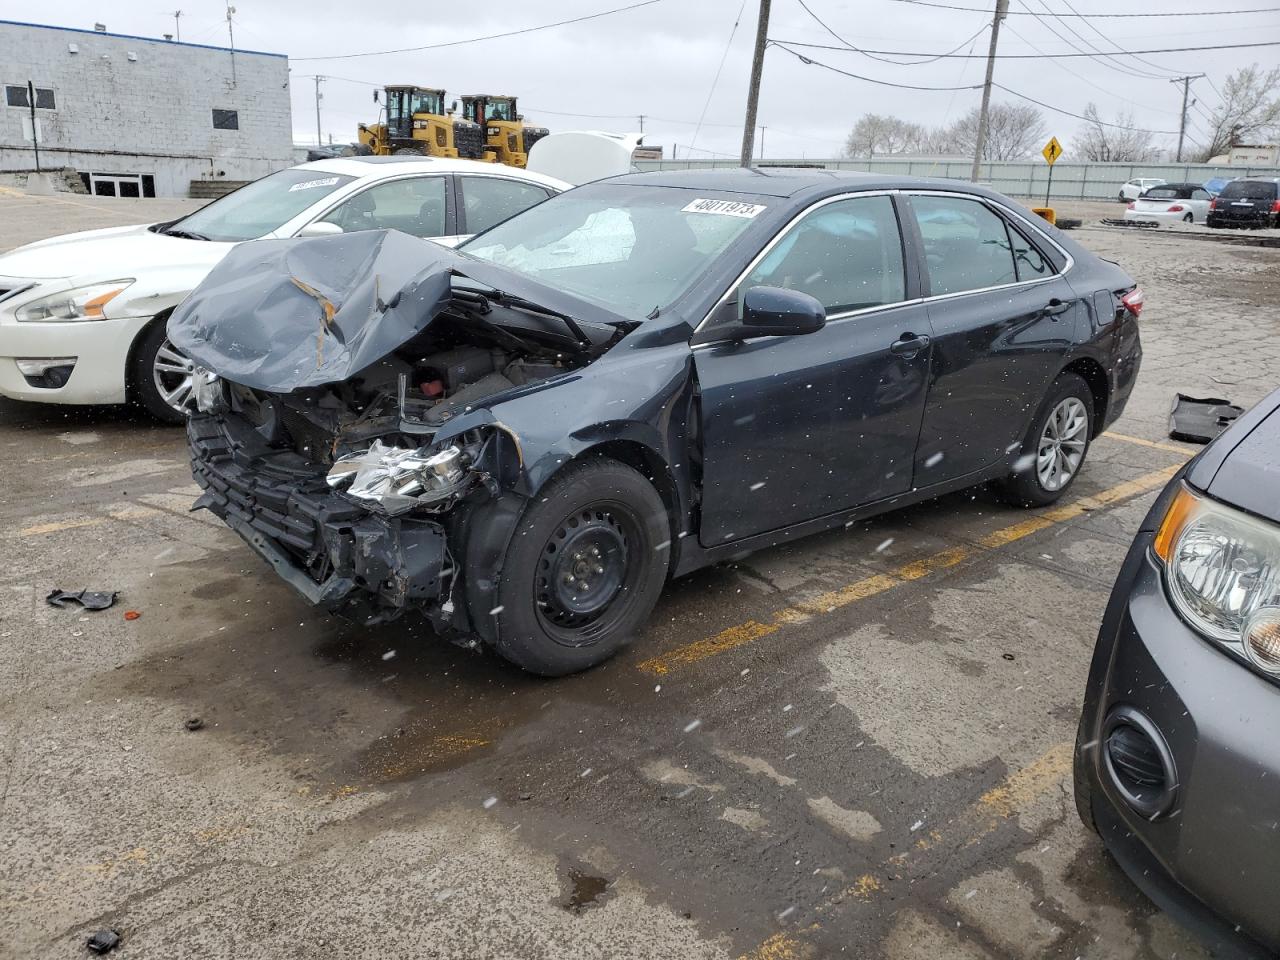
[[1171, 203], [1136, 187], [82, 316]]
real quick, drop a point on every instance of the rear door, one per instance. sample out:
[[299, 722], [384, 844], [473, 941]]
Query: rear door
[[485, 200], [797, 427], [1003, 318]]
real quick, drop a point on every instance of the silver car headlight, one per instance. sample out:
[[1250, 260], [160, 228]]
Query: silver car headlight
[[397, 478], [1222, 567], [79, 303], [207, 387]]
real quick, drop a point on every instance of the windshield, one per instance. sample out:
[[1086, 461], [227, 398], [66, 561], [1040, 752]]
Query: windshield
[[1249, 190], [265, 205], [631, 249]]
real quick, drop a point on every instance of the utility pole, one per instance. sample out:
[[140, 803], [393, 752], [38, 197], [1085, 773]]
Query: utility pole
[[232, 37], [753, 92], [319, 97], [1002, 8], [762, 130], [35, 129], [177, 27], [1186, 89], [641, 119]]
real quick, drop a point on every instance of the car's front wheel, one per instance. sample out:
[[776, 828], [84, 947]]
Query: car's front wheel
[[1055, 447], [583, 571], [162, 377]]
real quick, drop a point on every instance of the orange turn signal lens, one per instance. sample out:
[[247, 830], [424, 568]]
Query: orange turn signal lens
[[93, 308], [1181, 510]]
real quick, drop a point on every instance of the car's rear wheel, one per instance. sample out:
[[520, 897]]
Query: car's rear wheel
[[162, 377], [584, 569], [1055, 447], [1189, 218]]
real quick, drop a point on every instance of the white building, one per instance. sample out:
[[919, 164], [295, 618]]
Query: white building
[[141, 117]]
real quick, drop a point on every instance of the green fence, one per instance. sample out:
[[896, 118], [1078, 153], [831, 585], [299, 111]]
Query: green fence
[[1071, 181]]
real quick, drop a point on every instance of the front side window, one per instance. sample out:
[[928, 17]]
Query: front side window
[[262, 207], [414, 205], [631, 249], [490, 200], [847, 255], [966, 245]]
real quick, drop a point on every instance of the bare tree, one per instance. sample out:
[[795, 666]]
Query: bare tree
[[875, 135], [1117, 140], [1250, 108], [1013, 131]]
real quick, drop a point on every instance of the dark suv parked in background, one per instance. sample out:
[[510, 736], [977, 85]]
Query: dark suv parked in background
[[1247, 203]]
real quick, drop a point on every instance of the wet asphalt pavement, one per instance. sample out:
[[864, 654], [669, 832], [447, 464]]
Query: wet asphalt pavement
[[855, 745]]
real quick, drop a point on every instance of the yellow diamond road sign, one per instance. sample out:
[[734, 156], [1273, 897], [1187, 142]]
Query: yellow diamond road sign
[[1052, 150]]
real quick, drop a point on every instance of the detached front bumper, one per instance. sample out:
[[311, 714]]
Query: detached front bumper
[[335, 553], [1209, 856]]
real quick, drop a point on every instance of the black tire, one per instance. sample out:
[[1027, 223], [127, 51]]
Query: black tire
[[595, 505], [144, 391], [1189, 218], [1081, 784], [1068, 223], [1024, 487]]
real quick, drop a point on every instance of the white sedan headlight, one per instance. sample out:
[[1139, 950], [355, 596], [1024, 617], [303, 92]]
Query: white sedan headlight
[[80, 303], [1223, 571]]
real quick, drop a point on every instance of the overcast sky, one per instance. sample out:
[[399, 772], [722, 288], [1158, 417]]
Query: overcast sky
[[661, 60]]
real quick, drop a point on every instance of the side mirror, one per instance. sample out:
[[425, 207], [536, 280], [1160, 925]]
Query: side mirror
[[320, 229], [776, 312]]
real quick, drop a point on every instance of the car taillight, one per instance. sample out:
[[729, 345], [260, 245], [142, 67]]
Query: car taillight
[[1133, 301], [1275, 207], [1213, 204], [1176, 208]]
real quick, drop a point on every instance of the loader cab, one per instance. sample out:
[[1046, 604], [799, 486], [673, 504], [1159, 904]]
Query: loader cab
[[403, 103]]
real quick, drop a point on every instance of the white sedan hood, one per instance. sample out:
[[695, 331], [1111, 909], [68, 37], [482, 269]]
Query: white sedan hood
[[109, 254]]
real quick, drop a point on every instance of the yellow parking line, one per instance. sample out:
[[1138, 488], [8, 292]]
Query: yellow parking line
[[1149, 443], [800, 612], [56, 526]]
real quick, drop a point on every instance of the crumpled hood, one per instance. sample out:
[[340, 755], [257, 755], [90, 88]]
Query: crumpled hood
[[279, 315], [108, 254]]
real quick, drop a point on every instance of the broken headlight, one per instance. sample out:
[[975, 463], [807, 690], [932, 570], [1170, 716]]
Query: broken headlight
[[398, 479], [210, 395]]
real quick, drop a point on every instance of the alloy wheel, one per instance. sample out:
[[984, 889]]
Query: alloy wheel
[[1062, 444], [173, 376]]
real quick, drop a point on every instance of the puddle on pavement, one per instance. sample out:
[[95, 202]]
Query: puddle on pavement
[[585, 891]]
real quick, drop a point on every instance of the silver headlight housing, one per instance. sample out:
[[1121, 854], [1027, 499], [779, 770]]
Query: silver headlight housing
[[79, 303], [1222, 569], [397, 479]]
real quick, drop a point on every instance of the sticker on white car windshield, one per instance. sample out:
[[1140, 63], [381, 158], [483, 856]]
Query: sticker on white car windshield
[[728, 208], [308, 184]]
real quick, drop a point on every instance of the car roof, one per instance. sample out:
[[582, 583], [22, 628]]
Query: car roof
[[783, 181], [376, 167], [1178, 186]]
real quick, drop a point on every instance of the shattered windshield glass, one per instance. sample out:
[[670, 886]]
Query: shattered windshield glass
[[261, 207], [628, 248]]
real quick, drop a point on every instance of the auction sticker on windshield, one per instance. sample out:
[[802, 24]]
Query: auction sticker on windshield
[[729, 208], [308, 184]]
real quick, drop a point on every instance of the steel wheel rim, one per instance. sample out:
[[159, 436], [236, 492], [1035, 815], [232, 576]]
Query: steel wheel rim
[[1062, 444], [595, 545], [174, 377]]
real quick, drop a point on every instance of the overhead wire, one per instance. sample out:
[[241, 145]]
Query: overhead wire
[[1102, 58], [1089, 23], [1169, 13], [901, 63], [1029, 56], [492, 36], [716, 79]]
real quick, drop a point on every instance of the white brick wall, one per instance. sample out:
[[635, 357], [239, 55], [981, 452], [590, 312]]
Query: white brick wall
[[152, 115]]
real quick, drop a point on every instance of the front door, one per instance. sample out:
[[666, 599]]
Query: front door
[[794, 428]]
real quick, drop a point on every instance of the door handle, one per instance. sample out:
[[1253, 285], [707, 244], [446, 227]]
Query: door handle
[[1056, 308], [908, 345]]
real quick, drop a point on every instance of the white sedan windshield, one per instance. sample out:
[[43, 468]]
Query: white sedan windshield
[[257, 209], [631, 249]]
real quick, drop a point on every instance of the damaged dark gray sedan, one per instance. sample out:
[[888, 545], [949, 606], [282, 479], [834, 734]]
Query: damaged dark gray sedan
[[524, 438]]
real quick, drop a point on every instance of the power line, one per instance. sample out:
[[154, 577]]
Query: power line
[[1068, 113], [900, 63], [1022, 56], [1105, 59], [1165, 71], [492, 36], [782, 45], [1171, 13], [716, 80]]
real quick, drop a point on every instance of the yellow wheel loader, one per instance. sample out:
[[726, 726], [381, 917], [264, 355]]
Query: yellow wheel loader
[[506, 138], [416, 122]]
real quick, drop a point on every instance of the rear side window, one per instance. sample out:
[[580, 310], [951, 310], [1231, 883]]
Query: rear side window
[[847, 254], [966, 245], [490, 200], [1249, 190]]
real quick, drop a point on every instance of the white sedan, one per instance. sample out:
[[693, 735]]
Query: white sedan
[[1171, 203], [82, 316], [1136, 187]]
